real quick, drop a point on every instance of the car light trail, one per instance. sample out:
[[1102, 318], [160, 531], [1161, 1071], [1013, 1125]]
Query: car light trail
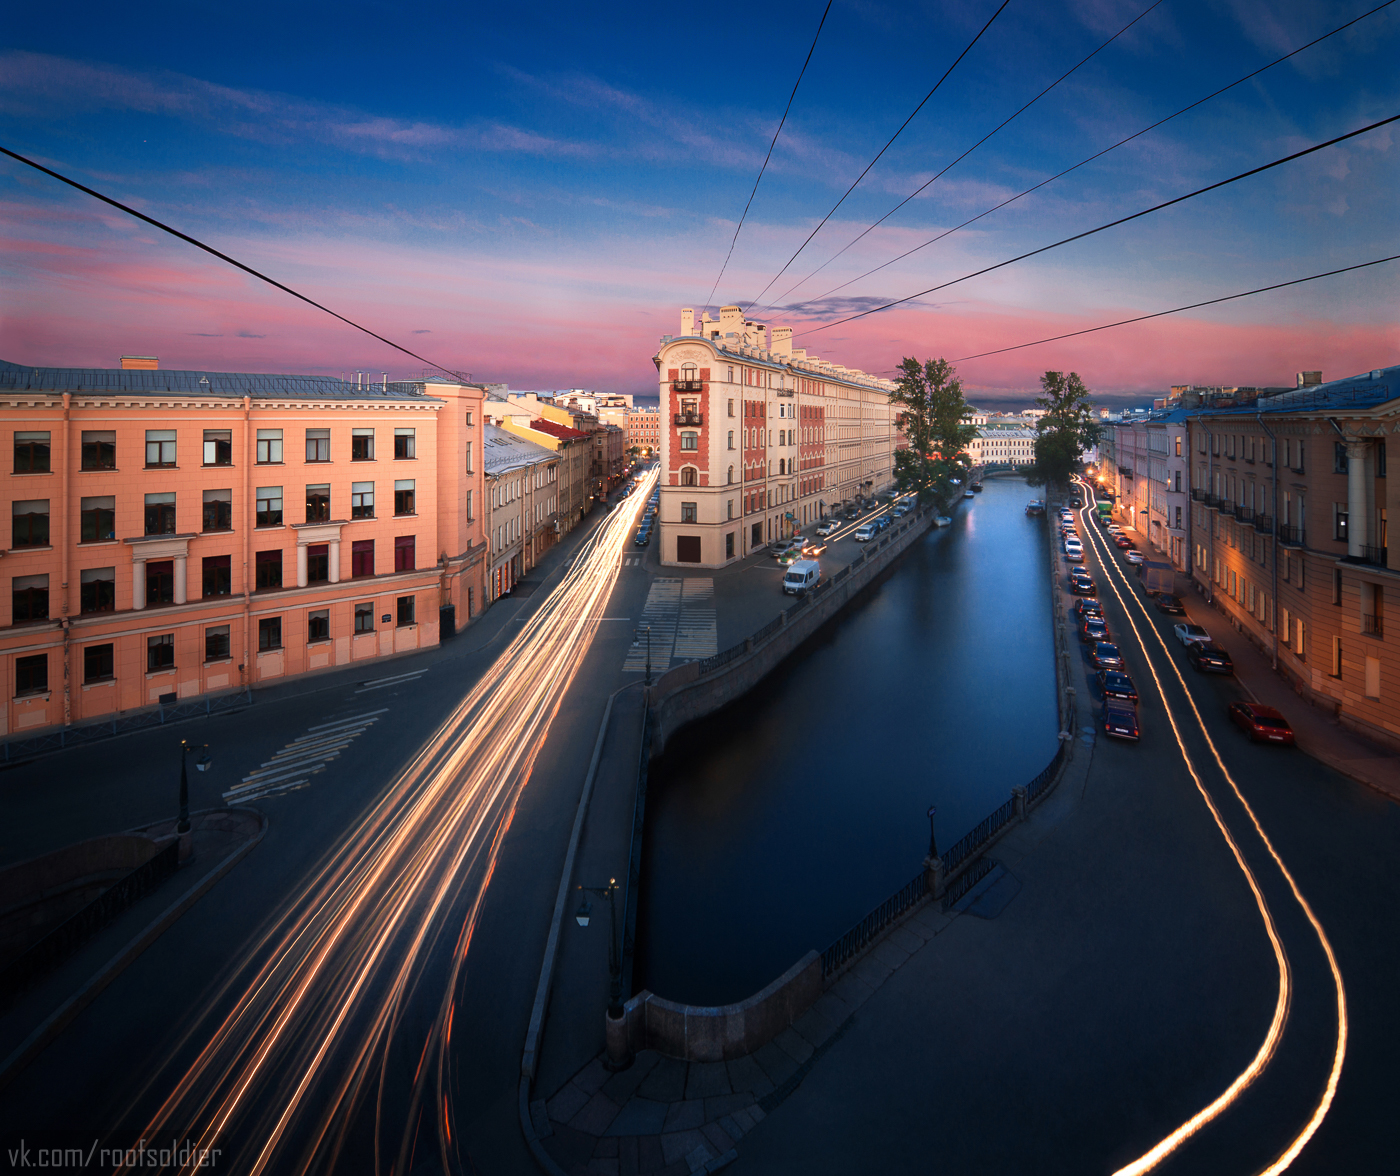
[[1151, 1158], [321, 996]]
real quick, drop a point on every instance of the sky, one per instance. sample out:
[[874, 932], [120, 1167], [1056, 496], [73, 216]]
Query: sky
[[530, 193]]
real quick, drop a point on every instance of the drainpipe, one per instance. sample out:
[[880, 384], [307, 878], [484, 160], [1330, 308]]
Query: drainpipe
[[1210, 481], [64, 622], [1273, 464], [245, 673]]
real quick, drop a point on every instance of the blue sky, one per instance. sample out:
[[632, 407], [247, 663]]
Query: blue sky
[[531, 193]]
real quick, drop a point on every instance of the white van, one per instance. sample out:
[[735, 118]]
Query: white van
[[866, 532], [802, 576]]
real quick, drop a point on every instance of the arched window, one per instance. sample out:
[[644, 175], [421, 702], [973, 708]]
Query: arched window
[[731, 475], [688, 372], [782, 466], [689, 477]]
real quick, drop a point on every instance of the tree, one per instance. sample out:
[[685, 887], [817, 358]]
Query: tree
[[933, 418], [1065, 431]]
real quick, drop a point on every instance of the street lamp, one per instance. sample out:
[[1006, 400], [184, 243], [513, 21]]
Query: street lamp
[[202, 764], [619, 1057]]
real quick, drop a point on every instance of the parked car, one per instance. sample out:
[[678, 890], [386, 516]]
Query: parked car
[[1168, 603], [1133, 555], [802, 577], [827, 527], [1107, 656], [1189, 634], [882, 522], [1094, 630], [1209, 659], [1083, 586], [1116, 684], [643, 536], [1086, 608], [1120, 719], [1264, 724], [778, 548], [866, 532], [1074, 554]]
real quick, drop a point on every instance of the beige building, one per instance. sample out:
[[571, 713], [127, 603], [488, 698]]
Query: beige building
[[522, 504], [1002, 445], [759, 439], [542, 422]]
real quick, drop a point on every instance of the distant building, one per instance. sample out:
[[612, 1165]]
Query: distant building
[[543, 422], [644, 430], [1002, 445], [1152, 479], [522, 497]]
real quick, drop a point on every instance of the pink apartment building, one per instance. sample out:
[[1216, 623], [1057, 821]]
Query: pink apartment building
[[185, 532]]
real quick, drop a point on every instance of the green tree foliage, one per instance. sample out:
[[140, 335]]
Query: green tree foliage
[[1064, 432], [933, 417]]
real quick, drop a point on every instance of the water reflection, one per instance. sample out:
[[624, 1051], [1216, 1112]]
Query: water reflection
[[777, 823]]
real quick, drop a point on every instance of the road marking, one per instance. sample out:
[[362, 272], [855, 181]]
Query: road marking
[[302, 758], [383, 710], [397, 677], [697, 634]]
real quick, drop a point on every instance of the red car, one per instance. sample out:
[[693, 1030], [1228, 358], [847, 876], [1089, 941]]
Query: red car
[[1264, 724], [1123, 541]]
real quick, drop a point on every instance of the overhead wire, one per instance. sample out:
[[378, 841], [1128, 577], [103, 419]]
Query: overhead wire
[[247, 269], [1122, 220], [881, 152], [939, 174], [734, 240], [1178, 309], [1097, 155]]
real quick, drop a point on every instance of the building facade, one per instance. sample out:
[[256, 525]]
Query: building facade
[[522, 497], [184, 532], [1152, 481], [1290, 511], [758, 441], [1010, 445], [542, 422], [644, 430]]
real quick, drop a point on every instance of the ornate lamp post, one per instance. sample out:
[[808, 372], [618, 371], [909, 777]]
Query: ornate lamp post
[[202, 764], [619, 1055]]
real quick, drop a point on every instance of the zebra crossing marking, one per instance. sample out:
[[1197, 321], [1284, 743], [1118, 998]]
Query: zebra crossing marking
[[680, 615], [292, 767], [396, 680]]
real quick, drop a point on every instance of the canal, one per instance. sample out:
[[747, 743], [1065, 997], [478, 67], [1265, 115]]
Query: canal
[[777, 823]]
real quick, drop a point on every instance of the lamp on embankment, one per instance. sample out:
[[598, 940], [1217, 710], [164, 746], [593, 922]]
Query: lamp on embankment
[[619, 1054], [202, 764]]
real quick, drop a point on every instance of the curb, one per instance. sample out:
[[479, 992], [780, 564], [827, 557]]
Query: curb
[[57, 1021]]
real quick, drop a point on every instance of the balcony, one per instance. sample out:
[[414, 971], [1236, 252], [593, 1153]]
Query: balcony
[[1264, 523], [1372, 625], [1290, 536], [1375, 556], [1245, 514], [1198, 495], [689, 419], [688, 385], [1213, 500]]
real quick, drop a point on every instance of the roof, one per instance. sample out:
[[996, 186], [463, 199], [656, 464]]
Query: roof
[[16, 377], [505, 451], [555, 429], [1368, 390]]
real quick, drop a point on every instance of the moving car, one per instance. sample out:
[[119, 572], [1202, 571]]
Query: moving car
[[827, 527], [1189, 634], [866, 532], [1133, 556], [1264, 724], [1107, 656], [882, 522], [1168, 603], [1116, 684], [802, 577], [1122, 540], [1209, 659], [1120, 719]]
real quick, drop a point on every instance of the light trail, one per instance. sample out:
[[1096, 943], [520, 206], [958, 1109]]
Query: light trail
[[1171, 1142], [324, 991]]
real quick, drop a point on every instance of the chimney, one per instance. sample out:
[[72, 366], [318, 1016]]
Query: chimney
[[1308, 379], [688, 321], [149, 363], [782, 342]]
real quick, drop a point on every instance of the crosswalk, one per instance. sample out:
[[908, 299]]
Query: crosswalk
[[396, 680], [632, 561], [680, 615], [293, 766]]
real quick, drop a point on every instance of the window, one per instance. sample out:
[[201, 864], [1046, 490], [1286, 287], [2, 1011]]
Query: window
[[1300, 466], [729, 539], [318, 504], [218, 447], [688, 512], [1380, 460], [1340, 518], [97, 519], [160, 652], [406, 611], [405, 559], [731, 438], [364, 617], [218, 576], [1336, 585], [1178, 445], [361, 444], [731, 412], [99, 450], [97, 663], [31, 453], [731, 475], [267, 566], [160, 449], [362, 558], [269, 447], [30, 598], [160, 582], [31, 523], [362, 500], [405, 448], [97, 590], [689, 476], [160, 514], [318, 563], [404, 497], [269, 506], [318, 625], [318, 445], [470, 515], [31, 674], [269, 634], [1339, 458], [690, 440], [218, 510], [468, 448], [216, 643]]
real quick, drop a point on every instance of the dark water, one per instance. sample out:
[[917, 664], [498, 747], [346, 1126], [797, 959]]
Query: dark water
[[776, 824]]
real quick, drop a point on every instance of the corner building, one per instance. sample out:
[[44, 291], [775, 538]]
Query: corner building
[[758, 439], [187, 532]]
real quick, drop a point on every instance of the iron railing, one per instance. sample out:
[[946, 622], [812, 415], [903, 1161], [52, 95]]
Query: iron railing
[[769, 629], [1292, 536], [1264, 523], [1244, 513], [1373, 625], [723, 657], [1198, 495], [695, 419], [1213, 500], [981, 833], [1038, 785], [858, 938], [1373, 555], [68, 935], [965, 881], [688, 385]]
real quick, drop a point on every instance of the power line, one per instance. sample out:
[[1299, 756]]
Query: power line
[[1254, 171], [1097, 154], [769, 156], [939, 175], [882, 150], [1177, 310], [247, 269]]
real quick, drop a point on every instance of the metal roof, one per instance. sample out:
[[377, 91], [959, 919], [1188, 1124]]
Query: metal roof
[[16, 377], [504, 451], [1368, 390]]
